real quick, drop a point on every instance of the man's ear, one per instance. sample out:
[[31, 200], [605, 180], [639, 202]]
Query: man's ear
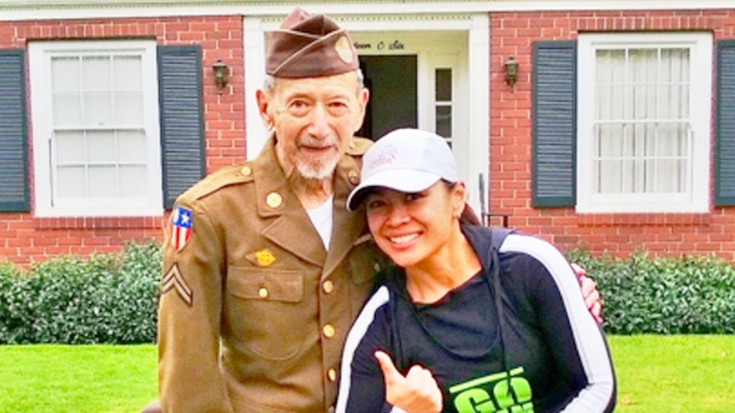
[[362, 100], [263, 106]]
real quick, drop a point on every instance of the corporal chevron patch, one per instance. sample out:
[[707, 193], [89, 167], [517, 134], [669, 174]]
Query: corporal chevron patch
[[173, 280]]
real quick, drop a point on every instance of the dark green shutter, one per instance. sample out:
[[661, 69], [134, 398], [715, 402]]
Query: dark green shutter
[[182, 123], [14, 193], [725, 139], [554, 123]]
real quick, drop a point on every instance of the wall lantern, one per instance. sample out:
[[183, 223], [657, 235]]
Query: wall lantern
[[511, 72], [221, 74]]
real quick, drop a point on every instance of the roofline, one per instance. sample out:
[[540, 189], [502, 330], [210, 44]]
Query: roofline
[[16, 10]]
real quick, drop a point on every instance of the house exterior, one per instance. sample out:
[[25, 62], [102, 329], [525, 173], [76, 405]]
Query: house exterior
[[616, 133]]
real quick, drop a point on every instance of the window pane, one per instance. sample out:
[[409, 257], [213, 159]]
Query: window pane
[[672, 139], [101, 147], [133, 180], [640, 85], [70, 181], [97, 109], [102, 181], [131, 146], [128, 74], [609, 178], [609, 142], [96, 74], [674, 89], [67, 109], [69, 147], [608, 150], [65, 74], [443, 85], [610, 78], [669, 176], [444, 121], [129, 108]]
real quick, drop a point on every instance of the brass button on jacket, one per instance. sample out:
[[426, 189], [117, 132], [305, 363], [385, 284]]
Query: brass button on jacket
[[263, 292], [274, 200]]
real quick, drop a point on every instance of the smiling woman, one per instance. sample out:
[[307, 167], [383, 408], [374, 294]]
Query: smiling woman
[[536, 349]]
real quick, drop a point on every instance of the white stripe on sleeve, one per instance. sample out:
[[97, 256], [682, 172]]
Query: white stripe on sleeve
[[357, 332], [590, 343]]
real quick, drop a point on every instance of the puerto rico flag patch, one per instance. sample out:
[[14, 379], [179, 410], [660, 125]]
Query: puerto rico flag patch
[[180, 227]]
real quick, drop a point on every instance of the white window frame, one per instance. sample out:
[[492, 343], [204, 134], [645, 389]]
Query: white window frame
[[39, 57], [697, 199]]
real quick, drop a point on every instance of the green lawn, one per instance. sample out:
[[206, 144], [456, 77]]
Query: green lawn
[[675, 374], [656, 374], [76, 379]]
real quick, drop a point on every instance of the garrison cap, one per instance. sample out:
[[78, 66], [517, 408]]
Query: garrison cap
[[310, 45]]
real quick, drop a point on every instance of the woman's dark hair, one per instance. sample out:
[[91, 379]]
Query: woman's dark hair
[[469, 217]]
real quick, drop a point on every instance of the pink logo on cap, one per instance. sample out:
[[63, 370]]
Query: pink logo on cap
[[386, 157]]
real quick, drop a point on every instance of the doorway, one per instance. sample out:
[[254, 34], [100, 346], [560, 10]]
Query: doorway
[[392, 83]]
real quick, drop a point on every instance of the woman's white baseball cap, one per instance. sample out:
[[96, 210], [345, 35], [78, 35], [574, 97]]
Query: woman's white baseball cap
[[406, 160]]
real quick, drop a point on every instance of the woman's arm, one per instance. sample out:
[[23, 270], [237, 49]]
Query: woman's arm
[[577, 342], [361, 387]]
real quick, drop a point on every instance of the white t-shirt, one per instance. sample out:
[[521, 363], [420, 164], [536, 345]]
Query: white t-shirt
[[321, 218]]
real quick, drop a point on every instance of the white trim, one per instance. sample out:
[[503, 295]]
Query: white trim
[[15, 10], [254, 55], [39, 57], [478, 55], [697, 200]]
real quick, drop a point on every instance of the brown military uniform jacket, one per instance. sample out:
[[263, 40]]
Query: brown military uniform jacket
[[254, 311]]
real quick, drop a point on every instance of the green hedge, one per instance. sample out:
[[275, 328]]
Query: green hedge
[[642, 295], [112, 298], [108, 298]]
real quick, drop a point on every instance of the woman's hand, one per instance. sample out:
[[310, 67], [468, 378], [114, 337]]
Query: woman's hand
[[590, 293], [417, 392]]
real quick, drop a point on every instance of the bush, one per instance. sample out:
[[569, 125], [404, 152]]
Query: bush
[[112, 298], [108, 298], [690, 295]]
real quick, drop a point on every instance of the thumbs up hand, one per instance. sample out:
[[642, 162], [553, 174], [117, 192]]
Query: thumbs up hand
[[417, 392]]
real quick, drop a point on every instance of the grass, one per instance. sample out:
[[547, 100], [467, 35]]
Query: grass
[[674, 374], [656, 374], [77, 379]]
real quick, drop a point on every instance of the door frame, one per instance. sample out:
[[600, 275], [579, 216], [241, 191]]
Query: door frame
[[473, 118]]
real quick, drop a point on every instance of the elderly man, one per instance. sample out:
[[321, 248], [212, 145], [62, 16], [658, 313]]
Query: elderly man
[[264, 268]]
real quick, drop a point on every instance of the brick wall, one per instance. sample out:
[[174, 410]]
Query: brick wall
[[512, 34], [25, 239]]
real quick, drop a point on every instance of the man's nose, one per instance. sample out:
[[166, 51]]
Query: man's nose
[[319, 120]]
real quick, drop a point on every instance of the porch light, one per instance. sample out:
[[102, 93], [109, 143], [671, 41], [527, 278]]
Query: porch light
[[511, 72], [221, 74]]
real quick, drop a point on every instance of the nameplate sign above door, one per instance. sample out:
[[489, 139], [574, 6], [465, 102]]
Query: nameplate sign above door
[[381, 45]]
